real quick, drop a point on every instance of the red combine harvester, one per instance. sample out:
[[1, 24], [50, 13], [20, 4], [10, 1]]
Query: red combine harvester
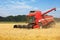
[[37, 19]]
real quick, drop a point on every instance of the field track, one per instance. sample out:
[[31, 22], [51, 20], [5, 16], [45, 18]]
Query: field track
[[7, 32]]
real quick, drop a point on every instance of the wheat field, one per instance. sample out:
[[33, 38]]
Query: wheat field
[[7, 32]]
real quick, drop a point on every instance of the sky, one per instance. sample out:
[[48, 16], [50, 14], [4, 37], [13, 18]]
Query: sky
[[22, 7]]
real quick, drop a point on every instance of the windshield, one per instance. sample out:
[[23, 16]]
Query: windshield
[[31, 19]]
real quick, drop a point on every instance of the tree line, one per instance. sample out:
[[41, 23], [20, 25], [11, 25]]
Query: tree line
[[18, 18]]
